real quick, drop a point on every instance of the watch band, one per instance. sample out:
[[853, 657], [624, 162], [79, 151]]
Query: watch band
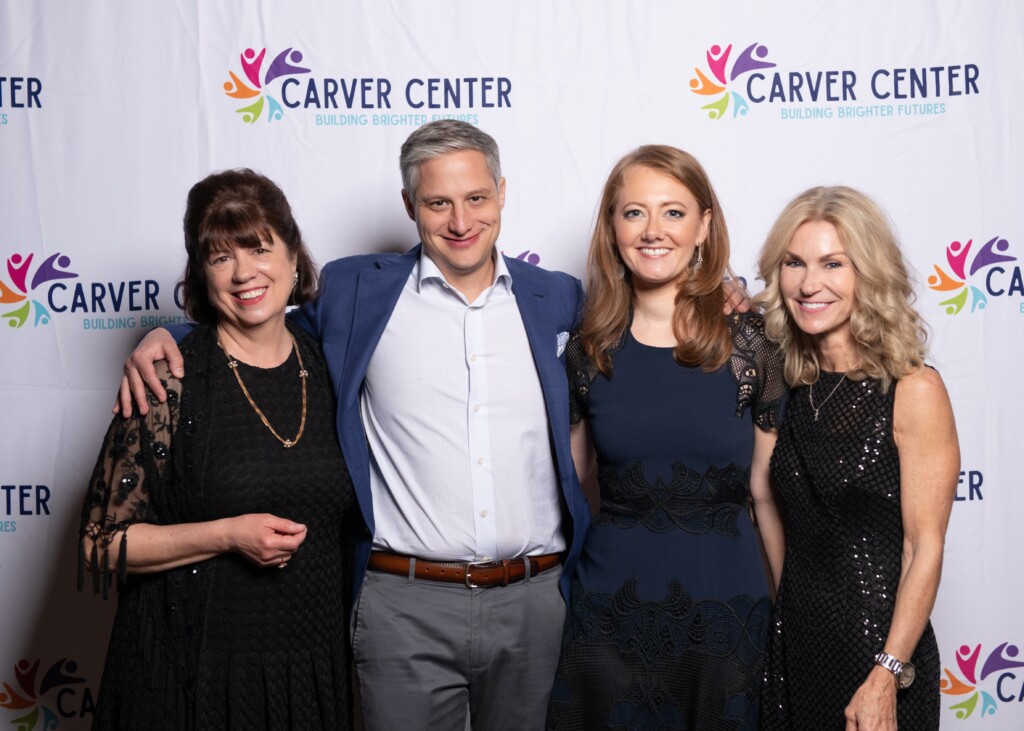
[[902, 672], [889, 662]]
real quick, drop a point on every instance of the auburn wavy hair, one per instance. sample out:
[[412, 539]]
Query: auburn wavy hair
[[889, 336], [702, 333]]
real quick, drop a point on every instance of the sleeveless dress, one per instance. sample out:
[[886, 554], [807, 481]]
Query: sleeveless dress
[[838, 481], [223, 644], [669, 607]]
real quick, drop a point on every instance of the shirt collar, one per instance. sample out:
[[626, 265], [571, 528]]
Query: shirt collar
[[426, 270]]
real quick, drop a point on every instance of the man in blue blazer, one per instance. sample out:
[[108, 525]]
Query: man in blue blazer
[[453, 416]]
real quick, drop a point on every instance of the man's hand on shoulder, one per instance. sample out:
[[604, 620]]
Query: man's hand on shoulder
[[139, 371], [737, 299]]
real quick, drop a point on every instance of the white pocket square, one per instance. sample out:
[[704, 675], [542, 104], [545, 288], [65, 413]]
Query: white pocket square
[[563, 339]]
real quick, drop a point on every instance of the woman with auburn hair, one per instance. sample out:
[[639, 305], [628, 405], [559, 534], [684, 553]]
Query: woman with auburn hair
[[676, 406], [865, 468]]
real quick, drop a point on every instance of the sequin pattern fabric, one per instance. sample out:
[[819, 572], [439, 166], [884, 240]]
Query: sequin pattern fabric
[[838, 481]]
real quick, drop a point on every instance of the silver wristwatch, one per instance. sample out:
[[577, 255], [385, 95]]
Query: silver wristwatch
[[902, 672]]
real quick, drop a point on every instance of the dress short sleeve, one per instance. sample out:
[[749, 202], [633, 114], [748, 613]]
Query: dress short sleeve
[[756, 364], [580, 372], [135, 461]]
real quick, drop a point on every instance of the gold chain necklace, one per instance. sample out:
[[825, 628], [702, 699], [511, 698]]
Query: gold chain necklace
[[233, 365], [810, 397]]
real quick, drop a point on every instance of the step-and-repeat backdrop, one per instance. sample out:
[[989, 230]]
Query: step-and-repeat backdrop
[[110, 111]]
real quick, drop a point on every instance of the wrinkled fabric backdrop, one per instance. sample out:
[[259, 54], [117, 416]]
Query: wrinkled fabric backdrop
[[110, 111]]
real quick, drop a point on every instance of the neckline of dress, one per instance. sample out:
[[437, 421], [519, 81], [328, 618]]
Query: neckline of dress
[[631, 336], [260, 371]]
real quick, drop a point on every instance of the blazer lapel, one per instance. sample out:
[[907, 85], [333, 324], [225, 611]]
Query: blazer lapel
[[377, 291], [531, 298]]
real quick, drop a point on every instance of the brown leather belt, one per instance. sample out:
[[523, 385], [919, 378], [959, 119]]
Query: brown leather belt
[[471, 574]]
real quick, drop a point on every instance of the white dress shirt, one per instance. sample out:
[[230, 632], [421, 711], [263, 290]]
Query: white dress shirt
[[461, 460]]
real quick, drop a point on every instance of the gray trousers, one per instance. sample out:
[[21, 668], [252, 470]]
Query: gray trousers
[[427, 653]]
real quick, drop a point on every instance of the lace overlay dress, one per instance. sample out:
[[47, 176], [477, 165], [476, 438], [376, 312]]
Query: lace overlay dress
[[669, 607], [838, 479], [222, 644]]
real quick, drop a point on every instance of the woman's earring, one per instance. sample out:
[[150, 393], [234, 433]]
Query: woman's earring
[[295, 280], [700, 258]]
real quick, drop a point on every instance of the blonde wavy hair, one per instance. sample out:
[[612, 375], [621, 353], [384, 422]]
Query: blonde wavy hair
[[702, 333], [889, 336]]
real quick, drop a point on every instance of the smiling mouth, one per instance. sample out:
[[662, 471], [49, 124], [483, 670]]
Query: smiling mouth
[[467, 241], [251, 294], [814, 306], [654, 251]]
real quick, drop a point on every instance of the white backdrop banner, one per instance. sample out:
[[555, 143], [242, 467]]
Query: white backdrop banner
[[110, 111]]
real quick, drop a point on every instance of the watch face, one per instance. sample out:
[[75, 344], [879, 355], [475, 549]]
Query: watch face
[[906, 676]]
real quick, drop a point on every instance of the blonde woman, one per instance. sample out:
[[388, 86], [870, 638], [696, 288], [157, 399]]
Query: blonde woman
[[865, 468]]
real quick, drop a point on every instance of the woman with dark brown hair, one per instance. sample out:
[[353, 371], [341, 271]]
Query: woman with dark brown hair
[[220, 511], [676, 405]]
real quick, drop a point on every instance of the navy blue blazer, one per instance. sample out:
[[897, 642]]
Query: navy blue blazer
[[356, 299]]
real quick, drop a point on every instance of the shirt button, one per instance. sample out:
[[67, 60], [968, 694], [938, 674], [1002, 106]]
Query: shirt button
[[472, 358], [479, 460], [483, 513], [476, 408]]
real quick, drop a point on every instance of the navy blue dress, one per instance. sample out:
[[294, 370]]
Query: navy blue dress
[[669, 607]]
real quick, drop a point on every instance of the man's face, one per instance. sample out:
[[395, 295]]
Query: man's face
[[457, 210]]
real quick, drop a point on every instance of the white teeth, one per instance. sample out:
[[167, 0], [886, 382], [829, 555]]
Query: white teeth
[[814, 305], [251, 294], [649, 251]]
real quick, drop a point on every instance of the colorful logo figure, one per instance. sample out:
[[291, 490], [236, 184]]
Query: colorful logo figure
[[1000, 659], [285, 64], [21, 288], [957, 253], [29, 698], [530, 257], [721, 79]]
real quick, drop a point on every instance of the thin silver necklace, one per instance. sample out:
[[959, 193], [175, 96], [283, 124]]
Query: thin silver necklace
[[810, 397]]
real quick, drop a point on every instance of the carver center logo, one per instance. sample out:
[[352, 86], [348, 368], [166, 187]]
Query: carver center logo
[[41, 699], [743, 79], [976, 277], [726, 80], [983, 685], [267, 86], [21, 292], [37, 291], [254, 90]]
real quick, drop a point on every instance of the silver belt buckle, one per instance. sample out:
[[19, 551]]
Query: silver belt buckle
[[470, 584]]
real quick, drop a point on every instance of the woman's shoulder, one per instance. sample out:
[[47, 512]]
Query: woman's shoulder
[[922, 384], [310, 348], [748, 334], [750, 324], [304, 339]]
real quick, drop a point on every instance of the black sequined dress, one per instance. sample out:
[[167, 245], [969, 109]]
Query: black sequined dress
[[838, 480], [669, 607], [223, 644]]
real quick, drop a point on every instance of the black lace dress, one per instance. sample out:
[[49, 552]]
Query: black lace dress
[[222, 644], [838, 479], [669, 606]]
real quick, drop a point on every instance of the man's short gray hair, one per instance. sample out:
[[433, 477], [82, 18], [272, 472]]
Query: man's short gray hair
[[441, 137]]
